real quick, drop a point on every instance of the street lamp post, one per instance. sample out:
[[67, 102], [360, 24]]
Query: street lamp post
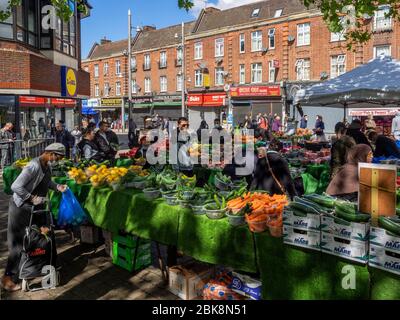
[[183, 70], [129, 70]]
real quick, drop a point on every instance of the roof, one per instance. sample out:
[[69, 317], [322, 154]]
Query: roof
[[369, 85], [108, 49], [152, 39], [215, 19]]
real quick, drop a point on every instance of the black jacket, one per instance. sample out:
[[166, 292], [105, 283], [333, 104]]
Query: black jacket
[[386, 147], [358, 136], [99, 156], [105, 145]]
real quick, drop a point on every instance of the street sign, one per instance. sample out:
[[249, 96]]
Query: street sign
[[227, 88]]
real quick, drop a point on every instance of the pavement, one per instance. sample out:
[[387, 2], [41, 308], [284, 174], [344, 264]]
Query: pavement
[[88, 272]]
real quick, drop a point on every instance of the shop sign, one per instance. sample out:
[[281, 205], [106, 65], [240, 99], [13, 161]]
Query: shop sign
[[31, 101], [375, 112], [93, 103], [143, 100], [111, 102], [256, 91], [167, 98], [195, 100], [69, 82], [63, 102], [214, 100]]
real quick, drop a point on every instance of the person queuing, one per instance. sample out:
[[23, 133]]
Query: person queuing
[[383, 146], [29, 189], [64, 137], [105, 140], [345, 184], [6, 144], [340, 148], [88, 149]]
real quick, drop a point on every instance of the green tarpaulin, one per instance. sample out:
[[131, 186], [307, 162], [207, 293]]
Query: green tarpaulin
[[9, 175]]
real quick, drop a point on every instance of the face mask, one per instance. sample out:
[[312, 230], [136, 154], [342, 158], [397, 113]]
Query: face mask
[[52, 163]]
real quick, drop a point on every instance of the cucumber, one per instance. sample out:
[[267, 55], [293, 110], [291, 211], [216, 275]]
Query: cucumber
[[398, 212], [299, 213], [312, 204], [389, 225], [321, 200], [346, 206], [356, 217], [302, 206]]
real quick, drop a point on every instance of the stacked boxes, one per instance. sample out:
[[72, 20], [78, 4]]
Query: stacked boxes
[[345, 239], [302, 231], [131, 252], [384, 252]]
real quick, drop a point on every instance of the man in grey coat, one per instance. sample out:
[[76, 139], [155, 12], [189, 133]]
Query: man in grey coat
[[6, 144], [30, 190]]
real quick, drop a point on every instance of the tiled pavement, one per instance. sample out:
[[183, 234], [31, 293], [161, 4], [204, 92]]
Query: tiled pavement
[[87, 273]]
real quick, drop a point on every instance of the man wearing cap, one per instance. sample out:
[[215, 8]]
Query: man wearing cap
[[30, 189]]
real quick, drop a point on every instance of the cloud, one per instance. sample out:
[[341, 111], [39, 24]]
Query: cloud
[[221, 4]]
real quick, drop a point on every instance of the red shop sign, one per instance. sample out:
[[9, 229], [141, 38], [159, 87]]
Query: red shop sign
[[214, 100], [31, 101], [195, 100], [256, 91], [63, 102]]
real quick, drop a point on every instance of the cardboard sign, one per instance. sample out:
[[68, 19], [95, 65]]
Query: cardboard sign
[[377, 190]]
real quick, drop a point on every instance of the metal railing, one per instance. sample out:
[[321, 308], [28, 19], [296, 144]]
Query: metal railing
[[37, 146]]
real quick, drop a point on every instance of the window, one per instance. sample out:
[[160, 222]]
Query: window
[[96, 90], [382, 51], [134, 86], [105, 68], [271, 38], [278, 13], [271, 72], [198, 78], [118, 88], [256, 73], [179, 83], [337, 36], [255, 13], [147, 85], [6, 26], [303, 69], [65, 39], [198, 51], [146, 65], [256, 41], [242, 74], [118, 67], [303, 34], [219, 76], [163, 59], [96, 70], [242, 43], [133, 63], [179, 56], [163, 84], [381, 22], [107, 89], [338, 65], [219, 47]]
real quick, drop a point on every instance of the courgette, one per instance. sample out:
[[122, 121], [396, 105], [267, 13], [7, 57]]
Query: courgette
[[352, 217], [346, 206], [389, 225], [316, 206], [321, 200], [302, 206]]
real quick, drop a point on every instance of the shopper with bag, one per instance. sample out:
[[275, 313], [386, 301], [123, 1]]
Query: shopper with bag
[[30, 190]]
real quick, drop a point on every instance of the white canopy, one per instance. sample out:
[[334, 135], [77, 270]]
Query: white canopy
[[376, 83]]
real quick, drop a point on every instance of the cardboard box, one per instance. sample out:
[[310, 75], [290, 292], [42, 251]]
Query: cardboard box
[[311, 222], [187, 281], [246, 286], [384, 259], [350, 249], [345, 229], [380, 237], [89, 234], [377, 190], [302, 238]]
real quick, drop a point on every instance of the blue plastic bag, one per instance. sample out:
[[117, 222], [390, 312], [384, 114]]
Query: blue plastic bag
[[70, 212]]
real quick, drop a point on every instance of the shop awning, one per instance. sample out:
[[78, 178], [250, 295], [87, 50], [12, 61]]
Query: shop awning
[[167, 104], [89, 111], [370, 85]]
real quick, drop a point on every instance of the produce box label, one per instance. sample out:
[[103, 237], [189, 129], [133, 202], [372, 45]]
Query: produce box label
[[311, 222], [345, 229], [343, 247], [384, 259], [380, 237], [246, 286], [301, 238]]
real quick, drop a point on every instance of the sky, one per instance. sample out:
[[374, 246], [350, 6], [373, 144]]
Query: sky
[[111, 21]]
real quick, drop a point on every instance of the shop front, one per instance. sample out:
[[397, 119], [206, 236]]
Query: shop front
[[251, 100], [206, 106], [141, 108], [110, 110], [383, 118], [167, 106]]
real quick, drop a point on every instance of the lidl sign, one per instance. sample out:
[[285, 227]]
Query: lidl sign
[[69, 83]]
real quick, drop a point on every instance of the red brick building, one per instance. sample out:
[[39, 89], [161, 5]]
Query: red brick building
[[107, 64], [41, 80]]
